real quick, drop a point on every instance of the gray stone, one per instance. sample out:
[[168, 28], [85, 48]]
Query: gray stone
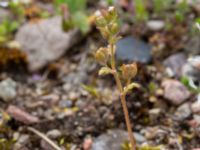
[[195, 107], [65, 103], [131, 49], [45, 41], [113, 140], [21, 116], [197, 118], [175, 63], [193, 45], [54, 134], [74, 78], [183, 112], [192, 68], [175, 92], [81, 104], [155, 25], [8, 89], [21, 141], [4, 3]]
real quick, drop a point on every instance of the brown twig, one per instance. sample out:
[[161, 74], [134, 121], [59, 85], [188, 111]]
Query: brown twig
[[44, 137]]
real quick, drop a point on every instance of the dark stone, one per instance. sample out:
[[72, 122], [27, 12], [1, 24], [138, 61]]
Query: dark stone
[[131, 49]]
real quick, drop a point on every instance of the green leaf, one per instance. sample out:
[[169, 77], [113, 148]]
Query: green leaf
[[80, 20], [76, 5], [105, 71], [73, 5], [90, 89], [13, 26], [2, 30], [161, 5], [2, 39], [141, 11], [62, 141], [152, 87], [129, 87]]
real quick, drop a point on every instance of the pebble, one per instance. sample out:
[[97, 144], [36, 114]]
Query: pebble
[[113, 140], [175, 92], [195, 107], [192, 68], [197, 119], [87, 144], [183, 112], [54, 134], [175, 62], [193, 45], [8, 89], [21, 115], [65, 103], [155, 25], [21, 141], [81, 104]]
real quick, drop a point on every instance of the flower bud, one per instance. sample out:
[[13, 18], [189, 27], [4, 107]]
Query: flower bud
[[114, 28], [112, 12], [129, 71], [102, 55], [105, 33], [100, 21]]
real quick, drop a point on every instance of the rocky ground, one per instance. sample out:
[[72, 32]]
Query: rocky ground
[[49, 81]]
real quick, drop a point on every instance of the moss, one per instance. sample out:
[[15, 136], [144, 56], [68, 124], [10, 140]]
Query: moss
[[12, 58]]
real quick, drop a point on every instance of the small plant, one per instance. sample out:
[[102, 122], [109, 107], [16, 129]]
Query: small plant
[[141, 13], [181, 9], [160, 6], [17, 9], [107, 23], [73, 12], [7, 27]]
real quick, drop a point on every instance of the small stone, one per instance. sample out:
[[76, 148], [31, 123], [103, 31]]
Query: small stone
[[192, 68], [45, 41], [45, 146], [154, 111], [154, 132], [8, 89], [196, 107], [81, 104], [65, 103], [131, 49], [193, 45], [87, 144], [113, 140], [175, 92], [197, 119], [21, 141], [21, 115], [175, 62], [54, 134], [155, 25], [183, 112], [4, 3]]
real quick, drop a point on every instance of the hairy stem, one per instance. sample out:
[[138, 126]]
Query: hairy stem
[[123, 99]]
